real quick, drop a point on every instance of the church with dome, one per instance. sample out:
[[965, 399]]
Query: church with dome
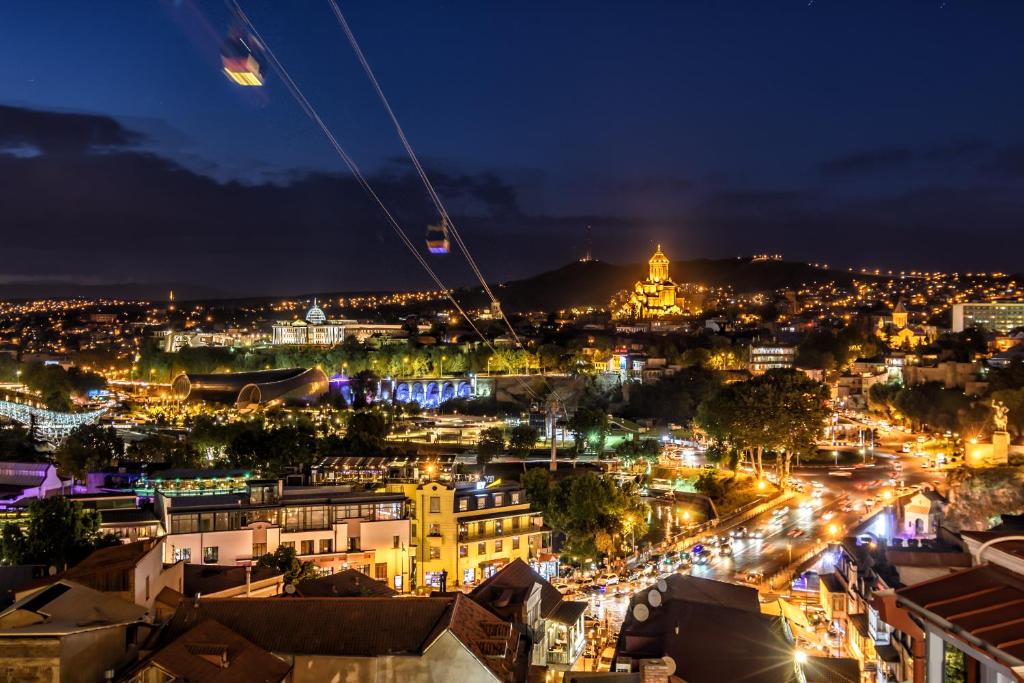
[[658, 296]]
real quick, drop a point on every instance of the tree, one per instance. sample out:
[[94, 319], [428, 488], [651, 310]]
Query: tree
[[163, 449], [59, 533], [366, 432], [591, 512], [286, 560], [522, 439], [780, 411], [537, 484], [490, 444], [89, 448], [675, 398], [589, 427]]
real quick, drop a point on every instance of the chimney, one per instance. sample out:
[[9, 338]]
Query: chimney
[[653, 671], [248, 581]]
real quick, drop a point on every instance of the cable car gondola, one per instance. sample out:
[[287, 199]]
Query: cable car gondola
[[241, 63], [437, 238]]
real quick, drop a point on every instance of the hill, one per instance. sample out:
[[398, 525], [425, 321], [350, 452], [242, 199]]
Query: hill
[[593, 283]]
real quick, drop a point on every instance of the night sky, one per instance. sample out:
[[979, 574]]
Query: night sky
[[863, 133]]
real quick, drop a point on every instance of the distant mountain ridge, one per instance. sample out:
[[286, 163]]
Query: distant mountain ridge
[[580, 283], [594, 283], [135, 291]]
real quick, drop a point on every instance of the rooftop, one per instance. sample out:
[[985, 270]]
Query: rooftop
[[512, 585], [209, 652], [207, 579], [354, 627], [348, 583], [984, 604]]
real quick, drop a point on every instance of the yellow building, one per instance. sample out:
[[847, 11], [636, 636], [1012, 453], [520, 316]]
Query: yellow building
[[471, 531], [657, 296]]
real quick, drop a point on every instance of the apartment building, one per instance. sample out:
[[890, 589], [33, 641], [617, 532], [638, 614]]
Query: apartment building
[[470, 530], [332, 527]]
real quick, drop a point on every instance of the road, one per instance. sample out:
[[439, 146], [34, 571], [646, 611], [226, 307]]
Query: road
[[771, 554]]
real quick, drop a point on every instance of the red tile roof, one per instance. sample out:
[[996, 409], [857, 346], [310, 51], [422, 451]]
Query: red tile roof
[[209, 652], [985, 603], [520, 578], [348, 583], [357, 627]]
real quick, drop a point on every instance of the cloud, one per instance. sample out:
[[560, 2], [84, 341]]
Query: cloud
[[58, 132], [866, 163], [1007, 163], [91, 206]]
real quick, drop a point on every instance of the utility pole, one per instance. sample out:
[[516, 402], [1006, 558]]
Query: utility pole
[[553, 426]]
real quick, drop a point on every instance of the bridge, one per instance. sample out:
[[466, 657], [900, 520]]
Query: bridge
[[51, 425], [429, 392]]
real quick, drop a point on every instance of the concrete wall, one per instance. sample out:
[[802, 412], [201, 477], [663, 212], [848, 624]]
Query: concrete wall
[[85, 656], [29, 660], [77, 658], [151, 567]]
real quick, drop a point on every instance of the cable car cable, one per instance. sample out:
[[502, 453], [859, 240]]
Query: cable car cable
[[445, 216], [311, 112], [438, 204]]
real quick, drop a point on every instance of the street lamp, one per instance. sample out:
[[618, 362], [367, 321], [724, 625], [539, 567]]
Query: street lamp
[[441, 370]]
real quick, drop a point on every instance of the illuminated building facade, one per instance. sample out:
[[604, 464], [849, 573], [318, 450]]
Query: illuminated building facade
[[472, 531], [658, 296], [898, 333], [317, 330], [997, 316], [771, 356]]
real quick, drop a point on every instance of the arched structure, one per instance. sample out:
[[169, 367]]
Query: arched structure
[[429, 393], [49, 424], [245, 389]]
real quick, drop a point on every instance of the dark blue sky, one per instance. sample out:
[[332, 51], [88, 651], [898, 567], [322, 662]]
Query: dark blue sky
[[860, 133]]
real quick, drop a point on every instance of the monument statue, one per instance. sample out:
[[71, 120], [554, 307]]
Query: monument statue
[[999, 415]]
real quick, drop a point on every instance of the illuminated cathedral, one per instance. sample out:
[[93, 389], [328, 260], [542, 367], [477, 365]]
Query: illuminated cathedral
[[657, 296]]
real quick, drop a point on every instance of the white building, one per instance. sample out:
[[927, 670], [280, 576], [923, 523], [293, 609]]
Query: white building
[[997, 316], [329, 526], [317, 330]]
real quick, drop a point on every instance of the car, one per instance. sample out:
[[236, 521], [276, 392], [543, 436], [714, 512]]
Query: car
[[608, 579], [806, 506], [756, 534], [738, 532], [869, 502], [725, 550], [907, 447], [561, 587], [817, 493], [922, 438], [817, 484], [795, 533]]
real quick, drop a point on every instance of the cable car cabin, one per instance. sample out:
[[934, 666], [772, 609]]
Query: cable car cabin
[[437, 239], [240, 64]]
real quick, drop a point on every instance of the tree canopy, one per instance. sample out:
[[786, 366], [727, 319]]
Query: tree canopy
[[59, 533], [591, 512], [89, 448], [782, 411], [286, 560]]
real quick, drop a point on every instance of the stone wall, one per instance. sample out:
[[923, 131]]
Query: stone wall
[[979, 496]]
